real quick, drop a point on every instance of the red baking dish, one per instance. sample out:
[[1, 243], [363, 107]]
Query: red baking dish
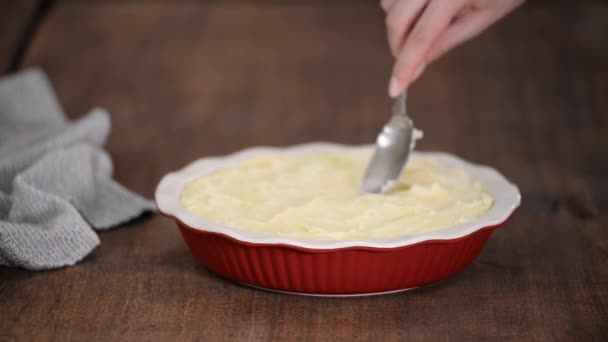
[[334, 267]]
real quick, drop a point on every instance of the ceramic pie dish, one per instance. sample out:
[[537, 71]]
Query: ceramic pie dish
[[322, 267]]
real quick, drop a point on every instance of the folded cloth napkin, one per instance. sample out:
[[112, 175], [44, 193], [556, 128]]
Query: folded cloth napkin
[[55, 180]]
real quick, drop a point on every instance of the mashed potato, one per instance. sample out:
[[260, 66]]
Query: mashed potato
[[317, 196]]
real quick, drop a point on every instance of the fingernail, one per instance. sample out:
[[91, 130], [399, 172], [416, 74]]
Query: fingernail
[[393, 87], [419, 71]]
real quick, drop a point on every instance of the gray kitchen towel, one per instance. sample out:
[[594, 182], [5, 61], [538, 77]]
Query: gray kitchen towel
[[56, 182]]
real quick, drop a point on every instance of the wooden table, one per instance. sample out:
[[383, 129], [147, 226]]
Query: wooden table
[[186, 79]]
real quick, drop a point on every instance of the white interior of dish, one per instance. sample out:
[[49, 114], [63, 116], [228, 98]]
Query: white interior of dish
[[506, 198]]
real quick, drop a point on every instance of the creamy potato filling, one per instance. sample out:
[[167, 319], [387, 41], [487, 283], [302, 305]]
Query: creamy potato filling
[[317, 196]]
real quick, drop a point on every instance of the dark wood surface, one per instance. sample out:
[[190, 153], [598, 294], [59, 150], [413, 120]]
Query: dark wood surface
[[185, 80], [14, 18]]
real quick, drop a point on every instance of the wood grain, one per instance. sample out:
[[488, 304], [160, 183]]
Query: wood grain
[[185, 79], [14, 18]]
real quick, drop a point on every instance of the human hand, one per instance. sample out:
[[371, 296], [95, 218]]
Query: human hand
[[420, 31]]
